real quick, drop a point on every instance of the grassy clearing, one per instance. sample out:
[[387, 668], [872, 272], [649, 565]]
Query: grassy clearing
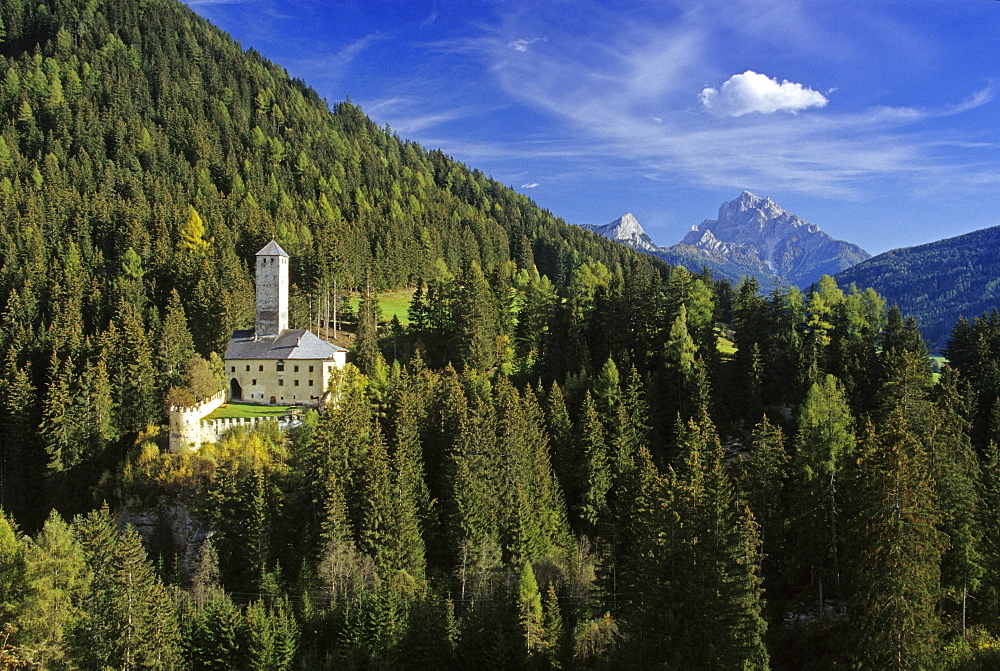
[[392, 303], [725, 345], [243, 410]]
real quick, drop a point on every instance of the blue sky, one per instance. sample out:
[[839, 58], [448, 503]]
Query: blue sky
[[877, 120]]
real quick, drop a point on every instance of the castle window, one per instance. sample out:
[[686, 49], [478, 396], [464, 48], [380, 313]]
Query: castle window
[[310, 369], [310, 383], [296, 383], [296, 369], [248, 368], [281, 383], [232, 369], [260, 368], [281, 366], [254, 382]]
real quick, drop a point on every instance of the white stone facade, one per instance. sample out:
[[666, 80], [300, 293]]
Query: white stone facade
[[282, 382], [272, 291]]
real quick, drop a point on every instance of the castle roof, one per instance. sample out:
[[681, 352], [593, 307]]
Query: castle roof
[[289, 344], [272, 249]]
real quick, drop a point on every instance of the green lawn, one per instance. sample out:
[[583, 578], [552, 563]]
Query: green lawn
[[392, 303], [236, 410]]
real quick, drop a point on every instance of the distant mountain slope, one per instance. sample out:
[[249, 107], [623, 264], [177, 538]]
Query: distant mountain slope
[[752, 236], [755, 236], [937, 282]]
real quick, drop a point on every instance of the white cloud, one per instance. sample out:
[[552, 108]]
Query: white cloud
[[753, 92], [522, 44], [532, 185]]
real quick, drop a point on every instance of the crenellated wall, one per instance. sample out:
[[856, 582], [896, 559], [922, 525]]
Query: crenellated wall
[[210, 430], [188, 430], [184, 421]]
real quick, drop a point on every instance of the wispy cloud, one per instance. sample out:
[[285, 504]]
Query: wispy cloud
[[981, 97], [532, 185], [753, 92], [625, 90], [524, 45]]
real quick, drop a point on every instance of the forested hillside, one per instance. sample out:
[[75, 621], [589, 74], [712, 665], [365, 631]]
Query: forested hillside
[[142, 152], [938, 282], [553, 465]]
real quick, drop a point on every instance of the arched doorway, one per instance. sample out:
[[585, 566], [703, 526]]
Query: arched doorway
[[274, 401], [235, 390]]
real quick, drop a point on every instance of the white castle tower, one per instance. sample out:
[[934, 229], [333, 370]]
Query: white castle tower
[[272, 290]]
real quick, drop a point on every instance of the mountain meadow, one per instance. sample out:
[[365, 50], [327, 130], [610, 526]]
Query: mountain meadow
[[550, 464]]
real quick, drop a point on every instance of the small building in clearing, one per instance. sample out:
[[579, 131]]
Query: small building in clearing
[[271, 363]]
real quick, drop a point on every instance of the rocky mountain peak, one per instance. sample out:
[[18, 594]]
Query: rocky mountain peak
[[752, 236], [626, 230]]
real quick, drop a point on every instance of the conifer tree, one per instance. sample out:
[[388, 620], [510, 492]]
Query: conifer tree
[[176, 346], [58, 578], [824, 443], [368, 357], [763, 480], [987, 602], [410, 493], [699, 569], [560, 430], [476, 323], [595, 470], [955, 476], [895, 550], [193, 233], [130, 620]]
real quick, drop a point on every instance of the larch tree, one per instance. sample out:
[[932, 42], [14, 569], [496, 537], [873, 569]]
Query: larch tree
[[823, 445]]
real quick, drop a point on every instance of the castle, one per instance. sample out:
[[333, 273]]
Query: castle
[[270, 364], [273, 364]]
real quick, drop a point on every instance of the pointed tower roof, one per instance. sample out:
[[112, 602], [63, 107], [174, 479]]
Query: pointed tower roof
[[272, 249]]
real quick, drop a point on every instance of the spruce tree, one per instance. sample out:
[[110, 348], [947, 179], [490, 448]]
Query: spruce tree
[[895, 549], [130, 620]]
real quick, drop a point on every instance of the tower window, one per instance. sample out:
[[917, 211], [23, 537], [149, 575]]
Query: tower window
[[248, 368], [281, 365], [232, 369], [260, 368], [296, 369], [310, 369], [281, 383], [253, 382], [310, 383], [296, 383]]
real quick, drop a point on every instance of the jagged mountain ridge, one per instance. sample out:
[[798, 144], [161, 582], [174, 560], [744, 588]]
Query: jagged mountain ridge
[[628, 231], [937, 282], [752, 236]]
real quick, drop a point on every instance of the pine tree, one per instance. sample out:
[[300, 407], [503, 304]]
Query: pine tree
[[476, 322], [412, 498]]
